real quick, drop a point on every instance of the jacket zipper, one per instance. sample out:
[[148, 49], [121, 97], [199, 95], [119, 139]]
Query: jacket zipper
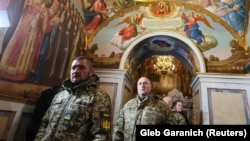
[[59, 119]]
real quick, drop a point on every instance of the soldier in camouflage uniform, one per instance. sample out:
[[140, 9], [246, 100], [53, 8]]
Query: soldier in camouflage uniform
[[81, 111], [178, 107], [144, 109], [175, 117]]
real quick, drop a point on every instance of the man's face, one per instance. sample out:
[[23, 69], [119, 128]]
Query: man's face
[[80, 70], [143, 86], [179, 106]]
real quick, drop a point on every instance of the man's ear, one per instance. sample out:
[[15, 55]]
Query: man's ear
[[91, 72]]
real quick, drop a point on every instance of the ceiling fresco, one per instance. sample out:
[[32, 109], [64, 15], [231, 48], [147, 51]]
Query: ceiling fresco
[[212, 32]]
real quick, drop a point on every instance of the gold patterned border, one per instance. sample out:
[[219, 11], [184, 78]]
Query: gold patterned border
[[20, 92]]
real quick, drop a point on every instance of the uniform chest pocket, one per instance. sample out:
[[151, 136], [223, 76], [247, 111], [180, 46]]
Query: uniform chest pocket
[[151, 115], [84, 101], [152, 110]]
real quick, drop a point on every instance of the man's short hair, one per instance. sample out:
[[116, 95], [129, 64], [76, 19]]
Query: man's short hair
[[90, 60]]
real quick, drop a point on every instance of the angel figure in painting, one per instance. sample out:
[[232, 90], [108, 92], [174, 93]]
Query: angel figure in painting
[[191, 27], [130, 31]]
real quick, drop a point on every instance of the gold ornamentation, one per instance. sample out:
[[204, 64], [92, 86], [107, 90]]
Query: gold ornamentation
[[164, 65]]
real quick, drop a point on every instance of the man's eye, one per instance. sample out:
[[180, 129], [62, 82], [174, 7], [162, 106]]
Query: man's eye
[[81, 67]]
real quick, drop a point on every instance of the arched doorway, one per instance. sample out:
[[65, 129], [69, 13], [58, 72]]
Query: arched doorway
[[144, 52], [163, 43]]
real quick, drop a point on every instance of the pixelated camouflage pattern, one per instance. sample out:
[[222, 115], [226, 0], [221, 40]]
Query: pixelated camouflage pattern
[[177, 118], [79, 113], [150, 111]]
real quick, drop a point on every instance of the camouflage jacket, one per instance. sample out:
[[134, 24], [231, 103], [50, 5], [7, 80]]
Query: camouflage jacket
[[79, 113], [150, 111], [177, 118]]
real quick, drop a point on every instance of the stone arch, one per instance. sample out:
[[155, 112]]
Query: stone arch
[[197, 65]]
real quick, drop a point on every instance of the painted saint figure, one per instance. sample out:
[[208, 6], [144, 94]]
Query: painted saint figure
[[161, 9], [234, 13]]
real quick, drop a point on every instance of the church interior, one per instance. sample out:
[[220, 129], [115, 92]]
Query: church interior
[[193, 50]]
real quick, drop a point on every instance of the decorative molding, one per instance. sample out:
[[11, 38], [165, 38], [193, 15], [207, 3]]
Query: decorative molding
[[222, 112]]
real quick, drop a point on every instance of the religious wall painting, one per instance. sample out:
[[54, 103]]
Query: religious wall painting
[[161, 9], [146, 21], [69, 14], [96, 12], [107, 55], [131, 27], [14, 10], [209, 5], [48, 33], [234, 13], [4, 4], [191, 26], [217, 35]]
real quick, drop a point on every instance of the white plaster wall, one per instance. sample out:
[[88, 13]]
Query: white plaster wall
[[203, 82]]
